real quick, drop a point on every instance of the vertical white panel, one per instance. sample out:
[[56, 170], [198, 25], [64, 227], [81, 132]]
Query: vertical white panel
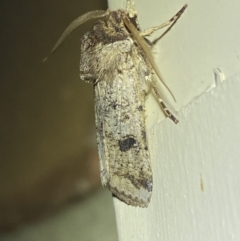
[[196, 174]]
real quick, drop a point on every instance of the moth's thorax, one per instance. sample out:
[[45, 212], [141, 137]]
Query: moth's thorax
[[107, 47]]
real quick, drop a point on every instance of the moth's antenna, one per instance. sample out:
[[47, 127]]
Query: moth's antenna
[[142, 43], [76, 23]]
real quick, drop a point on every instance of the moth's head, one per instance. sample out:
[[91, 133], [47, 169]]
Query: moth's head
[[131, 12], [133, 19]]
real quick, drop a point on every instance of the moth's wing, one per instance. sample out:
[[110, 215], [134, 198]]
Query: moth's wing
[[121, 131]]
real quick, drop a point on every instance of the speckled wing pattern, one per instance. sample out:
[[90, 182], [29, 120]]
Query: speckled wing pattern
[[115, 65]]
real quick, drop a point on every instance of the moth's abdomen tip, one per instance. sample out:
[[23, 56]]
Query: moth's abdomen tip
[[132, 195], [135, 202]]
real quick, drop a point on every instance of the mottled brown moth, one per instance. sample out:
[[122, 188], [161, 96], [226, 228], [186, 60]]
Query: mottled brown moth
[[116, 58]]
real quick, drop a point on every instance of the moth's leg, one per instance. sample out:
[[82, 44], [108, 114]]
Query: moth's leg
[[171, 21], [127, 5], [163, 106], [131, 9]]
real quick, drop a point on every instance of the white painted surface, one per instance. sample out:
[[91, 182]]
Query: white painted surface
[[196, 166], [196, 194]]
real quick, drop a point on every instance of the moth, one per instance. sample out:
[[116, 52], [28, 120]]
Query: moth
[[116, 59]]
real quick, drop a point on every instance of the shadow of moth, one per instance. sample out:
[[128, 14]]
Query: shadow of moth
[[117, 60]]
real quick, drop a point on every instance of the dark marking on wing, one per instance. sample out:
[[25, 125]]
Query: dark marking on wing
[[140, 108], [126, 144], [144, 136], [146, 184], [141, 182]]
